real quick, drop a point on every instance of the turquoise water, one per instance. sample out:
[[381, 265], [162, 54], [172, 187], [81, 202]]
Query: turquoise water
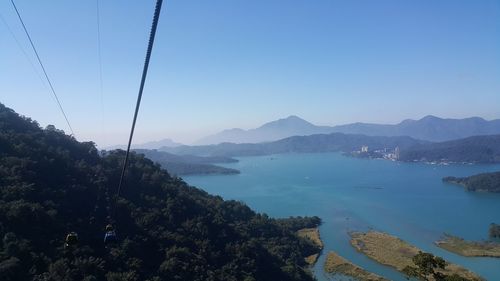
[[407, 200]]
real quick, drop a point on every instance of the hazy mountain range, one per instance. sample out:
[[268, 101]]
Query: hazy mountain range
[[429, 128], [298, 144], [275, 130], [476, 149], [148, 145]]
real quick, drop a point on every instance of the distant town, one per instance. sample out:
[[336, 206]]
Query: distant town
[[386, 153]]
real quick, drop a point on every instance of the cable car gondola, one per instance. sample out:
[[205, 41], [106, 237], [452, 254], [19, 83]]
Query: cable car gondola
[[71, 240], [110, 235]]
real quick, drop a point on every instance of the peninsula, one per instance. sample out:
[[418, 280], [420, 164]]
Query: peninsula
[[312, 234], [485, 182]]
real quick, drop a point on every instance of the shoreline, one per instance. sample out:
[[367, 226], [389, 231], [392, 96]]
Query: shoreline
[[313, 235]]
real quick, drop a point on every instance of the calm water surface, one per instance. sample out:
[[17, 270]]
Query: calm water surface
[[407, 200]]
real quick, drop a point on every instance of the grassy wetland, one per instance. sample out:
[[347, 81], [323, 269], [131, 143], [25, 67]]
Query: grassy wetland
[[335, 264], [392, 251], [466, 248]]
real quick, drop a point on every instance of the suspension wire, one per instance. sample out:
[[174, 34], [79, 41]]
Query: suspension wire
[[22, 50], [139, 96], [99, 45], [99, 55], [43, 68]]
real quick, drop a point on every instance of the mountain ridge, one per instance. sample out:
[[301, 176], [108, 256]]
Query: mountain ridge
[[429, 128], [274, 130], [334, 142]]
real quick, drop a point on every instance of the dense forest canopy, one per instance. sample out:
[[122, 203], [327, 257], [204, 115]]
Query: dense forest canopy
[[50, 184]]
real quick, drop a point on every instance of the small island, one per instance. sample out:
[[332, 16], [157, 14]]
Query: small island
[[392, 251], [485, 182], [336, 264], [465, 248]]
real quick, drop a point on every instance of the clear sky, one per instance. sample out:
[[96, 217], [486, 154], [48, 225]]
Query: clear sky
[[224, 64]]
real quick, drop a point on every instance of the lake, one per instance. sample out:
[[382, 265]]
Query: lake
[[407, 200]]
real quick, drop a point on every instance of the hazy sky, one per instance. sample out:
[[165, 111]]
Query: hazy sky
[[225, 64]]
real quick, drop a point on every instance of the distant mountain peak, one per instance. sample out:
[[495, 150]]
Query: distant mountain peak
[[291, 118], [476, 118], [294, 117], [430, 118], [290, 121], [271, 131], [408, 121], [234, 130]]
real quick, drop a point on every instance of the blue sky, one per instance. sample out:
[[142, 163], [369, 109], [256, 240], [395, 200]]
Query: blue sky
[[225, 64]]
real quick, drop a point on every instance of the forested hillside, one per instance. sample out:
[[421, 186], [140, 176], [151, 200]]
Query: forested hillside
[[50, 184], [478, 149]]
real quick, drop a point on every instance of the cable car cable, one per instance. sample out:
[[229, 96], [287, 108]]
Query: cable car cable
[[19, 45], [141, 88], [99, 56], [43, 68]]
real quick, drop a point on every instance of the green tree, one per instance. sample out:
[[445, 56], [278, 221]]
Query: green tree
[[494, 230], [429, 267]]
